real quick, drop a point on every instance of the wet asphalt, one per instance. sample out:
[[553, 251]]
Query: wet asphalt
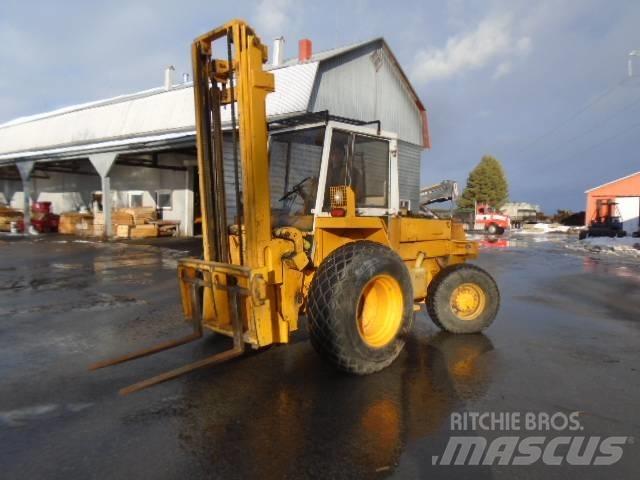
[[567, 339]]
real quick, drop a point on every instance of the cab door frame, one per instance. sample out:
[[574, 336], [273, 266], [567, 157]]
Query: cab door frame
[[393, 190]]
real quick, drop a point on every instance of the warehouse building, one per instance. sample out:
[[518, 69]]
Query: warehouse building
[[520, 211], [138, 150], [625, 193]]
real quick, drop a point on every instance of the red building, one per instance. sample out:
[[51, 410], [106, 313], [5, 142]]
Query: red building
[[625, 192]]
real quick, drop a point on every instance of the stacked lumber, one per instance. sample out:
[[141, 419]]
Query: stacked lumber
[[74, 223], [8, 215], [97, 230], [125, 220], [144, 231], [139, 222], [118, 217], [123, 231], [141, 215], [167, 228]]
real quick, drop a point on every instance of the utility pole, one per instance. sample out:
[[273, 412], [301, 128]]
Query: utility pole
[[633, 53]]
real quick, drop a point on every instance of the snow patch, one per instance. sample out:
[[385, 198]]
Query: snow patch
[[625, 245], [539, 228]]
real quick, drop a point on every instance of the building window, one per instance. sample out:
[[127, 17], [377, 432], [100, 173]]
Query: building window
[[163, 199], [135, 199]]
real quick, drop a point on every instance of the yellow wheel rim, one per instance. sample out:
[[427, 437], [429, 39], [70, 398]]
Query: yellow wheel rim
[[380, 309], [468, 301]]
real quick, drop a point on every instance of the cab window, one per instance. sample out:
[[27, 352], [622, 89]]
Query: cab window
[[361, 162], [294, 169]]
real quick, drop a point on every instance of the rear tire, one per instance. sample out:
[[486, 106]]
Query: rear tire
[[360, 307], [463, 298]]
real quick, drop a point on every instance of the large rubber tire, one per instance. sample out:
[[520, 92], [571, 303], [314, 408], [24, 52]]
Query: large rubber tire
[[335, 303], [493, 229], [440, 296]]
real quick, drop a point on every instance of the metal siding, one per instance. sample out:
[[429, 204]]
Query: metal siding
[[346, 87], [395, 107], [306, 164], [350, 86], [409, 173]]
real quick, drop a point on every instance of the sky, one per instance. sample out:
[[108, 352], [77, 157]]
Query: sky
[[542, 86]]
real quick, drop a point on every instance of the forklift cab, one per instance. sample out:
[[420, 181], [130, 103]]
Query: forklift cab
[[306, 161]]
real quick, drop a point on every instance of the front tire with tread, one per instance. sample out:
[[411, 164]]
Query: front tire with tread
[[333, 306], [441, 289]]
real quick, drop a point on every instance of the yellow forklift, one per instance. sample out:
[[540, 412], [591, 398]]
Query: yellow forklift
[[321, 234]]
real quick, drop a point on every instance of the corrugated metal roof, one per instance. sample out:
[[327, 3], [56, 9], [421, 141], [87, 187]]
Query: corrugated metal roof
[[159, 114], [131, 119], [81, 106], [74, 151]]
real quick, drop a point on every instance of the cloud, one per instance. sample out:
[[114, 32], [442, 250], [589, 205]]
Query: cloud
[[273, 16], [492, 40], [503, 69], [523, 45]]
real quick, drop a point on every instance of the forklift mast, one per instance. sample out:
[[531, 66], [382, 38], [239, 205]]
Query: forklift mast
[[237, 79]]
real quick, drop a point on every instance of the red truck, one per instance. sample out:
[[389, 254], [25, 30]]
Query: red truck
[[490, 220], [483, 217]]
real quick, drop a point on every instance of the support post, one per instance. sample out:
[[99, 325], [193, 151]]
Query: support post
[[106, 205], [25, 169], [103, 162], [187, 228], [7, 195]]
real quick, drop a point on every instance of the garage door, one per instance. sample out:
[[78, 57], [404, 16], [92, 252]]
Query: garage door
[[630, 212]]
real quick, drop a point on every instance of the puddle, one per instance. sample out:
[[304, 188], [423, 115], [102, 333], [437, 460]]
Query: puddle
[[23, 416], [93, 302], [67, 266], [45, 283]]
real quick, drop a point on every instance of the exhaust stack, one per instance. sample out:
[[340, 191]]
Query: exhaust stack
[[305, 50], [278, 51], [168, 77]]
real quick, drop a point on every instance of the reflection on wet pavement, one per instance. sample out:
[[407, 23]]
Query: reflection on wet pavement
[[311, 413], [566, 333]]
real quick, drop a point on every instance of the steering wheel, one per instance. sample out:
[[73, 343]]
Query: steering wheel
[[294, 189]]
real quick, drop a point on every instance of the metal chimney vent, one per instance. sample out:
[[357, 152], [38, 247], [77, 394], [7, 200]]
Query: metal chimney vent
[[168, 77], [278, 51]]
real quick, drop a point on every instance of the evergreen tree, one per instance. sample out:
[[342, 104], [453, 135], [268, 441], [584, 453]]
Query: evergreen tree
[[487, 183]]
